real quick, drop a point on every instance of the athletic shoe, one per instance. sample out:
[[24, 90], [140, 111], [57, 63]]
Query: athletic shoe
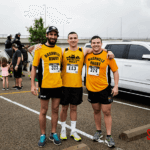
[[14, 87], [3, 89], [75, 136], [97, 136], [53, 137], [110, 142], [19, 88], [42, 140], [7, 89], [63, 135]]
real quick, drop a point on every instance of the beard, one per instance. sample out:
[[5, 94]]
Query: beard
[[50, 42]]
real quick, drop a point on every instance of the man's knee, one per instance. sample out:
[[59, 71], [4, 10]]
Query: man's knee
[[97, 111], [55, 109], [64, 108], [44, 110], [73, 107], [107, 112]]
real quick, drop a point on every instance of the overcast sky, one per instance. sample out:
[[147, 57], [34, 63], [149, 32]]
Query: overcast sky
[[106, 18]]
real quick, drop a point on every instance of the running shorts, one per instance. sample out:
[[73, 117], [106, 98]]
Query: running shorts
[[99, 97], [71, 96], [18, 73], [47, 93]]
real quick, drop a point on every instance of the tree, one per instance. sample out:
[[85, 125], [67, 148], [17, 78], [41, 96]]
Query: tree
[[37, 32]]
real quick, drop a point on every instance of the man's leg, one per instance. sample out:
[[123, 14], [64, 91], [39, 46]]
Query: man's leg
[[55, 108], [63, 117], [42, 116], [63, 113], [19, 82], [97, 115], [73, 117], [97, 118], [106, 109]]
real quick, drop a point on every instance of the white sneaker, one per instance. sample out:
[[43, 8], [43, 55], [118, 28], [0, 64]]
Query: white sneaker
[[63, 135], [75, 136]]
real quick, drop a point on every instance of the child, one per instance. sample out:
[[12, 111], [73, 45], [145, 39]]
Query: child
[[5, 68]]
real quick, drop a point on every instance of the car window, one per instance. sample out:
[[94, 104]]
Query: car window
[[117, 49], [136, 52], [88, 46]]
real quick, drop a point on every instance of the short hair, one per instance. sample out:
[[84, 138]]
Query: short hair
[[96, 37], [72, 33]]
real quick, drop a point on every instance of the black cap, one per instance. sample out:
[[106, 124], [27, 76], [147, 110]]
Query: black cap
[[52, 28]]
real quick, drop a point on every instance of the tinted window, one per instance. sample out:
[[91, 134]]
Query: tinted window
[[89, 46], [117, 50], [136, 52]]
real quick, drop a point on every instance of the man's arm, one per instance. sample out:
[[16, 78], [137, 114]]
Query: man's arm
[[110, 55], [18, 62], [116, 80], [31, 48], [33, 74]]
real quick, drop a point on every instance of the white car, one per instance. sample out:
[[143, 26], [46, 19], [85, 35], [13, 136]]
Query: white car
[[133, 60]]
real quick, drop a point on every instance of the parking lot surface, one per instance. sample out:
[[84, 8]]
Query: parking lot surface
[[19, 124]]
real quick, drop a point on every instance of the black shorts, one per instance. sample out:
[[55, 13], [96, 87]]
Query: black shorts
[[100, 97], [18, 73], [71, 96], [47, 93]]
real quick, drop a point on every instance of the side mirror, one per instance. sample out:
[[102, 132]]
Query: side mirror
[[146, 57]]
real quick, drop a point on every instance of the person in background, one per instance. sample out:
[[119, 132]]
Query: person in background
[[17, 66], [8, 45], [5, 67], [8, 42]]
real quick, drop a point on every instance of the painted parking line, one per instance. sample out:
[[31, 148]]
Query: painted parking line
[[15, 92], [48, 117], [126, 104]]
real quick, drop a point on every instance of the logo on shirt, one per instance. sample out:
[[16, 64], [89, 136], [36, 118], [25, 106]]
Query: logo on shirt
[[98, 61], [73, 59]]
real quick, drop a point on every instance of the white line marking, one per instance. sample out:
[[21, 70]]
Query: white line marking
[[48, 117], [127, 104]]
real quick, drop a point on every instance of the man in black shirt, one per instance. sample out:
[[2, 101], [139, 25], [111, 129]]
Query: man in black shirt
[[17, 66]]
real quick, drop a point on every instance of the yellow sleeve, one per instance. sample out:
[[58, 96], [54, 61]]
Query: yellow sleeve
[[36, 59], [113, 65]]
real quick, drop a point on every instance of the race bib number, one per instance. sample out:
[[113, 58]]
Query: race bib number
[[54, 68], [93, 71], [72, 68]]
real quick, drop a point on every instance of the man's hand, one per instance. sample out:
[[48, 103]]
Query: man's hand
[[34, 90], [110, 55], [114, 91], [16, 68]]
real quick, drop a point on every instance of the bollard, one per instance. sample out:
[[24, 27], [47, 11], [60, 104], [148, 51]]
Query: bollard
[[134, 134]]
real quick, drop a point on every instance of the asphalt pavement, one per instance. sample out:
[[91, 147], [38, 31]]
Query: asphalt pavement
[[19, 124]]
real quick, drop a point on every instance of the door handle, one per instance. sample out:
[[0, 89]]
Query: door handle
[[128, 65]]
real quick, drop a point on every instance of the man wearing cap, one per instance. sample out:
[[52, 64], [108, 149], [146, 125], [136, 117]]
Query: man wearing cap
[[48, 59], [17, 66]]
